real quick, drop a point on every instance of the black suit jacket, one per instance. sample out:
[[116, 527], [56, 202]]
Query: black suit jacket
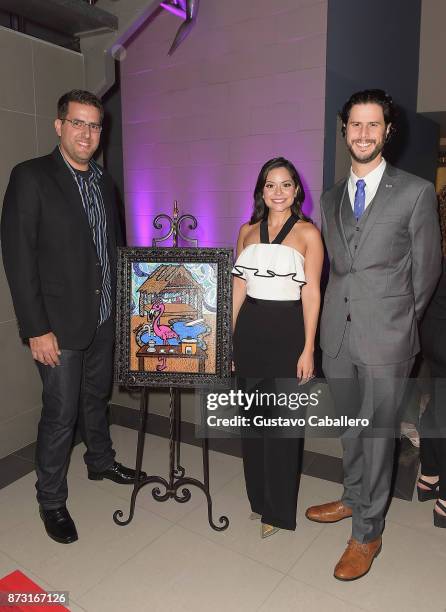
[[48, 252]]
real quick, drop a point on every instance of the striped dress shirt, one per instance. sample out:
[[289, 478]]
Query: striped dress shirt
[[93, 203]]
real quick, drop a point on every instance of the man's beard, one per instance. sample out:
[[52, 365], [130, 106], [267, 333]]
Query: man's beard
[[373, 155]]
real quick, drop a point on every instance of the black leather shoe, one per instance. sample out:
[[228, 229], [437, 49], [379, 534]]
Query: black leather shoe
[[118, 473], [59, 525]]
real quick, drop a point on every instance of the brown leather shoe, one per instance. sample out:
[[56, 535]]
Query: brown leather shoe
[[328, 513], [357, 559]]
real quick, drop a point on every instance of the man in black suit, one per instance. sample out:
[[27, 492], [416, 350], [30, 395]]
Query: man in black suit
[[59, 233]]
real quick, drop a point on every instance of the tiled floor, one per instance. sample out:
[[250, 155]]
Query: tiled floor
[[169, 559]]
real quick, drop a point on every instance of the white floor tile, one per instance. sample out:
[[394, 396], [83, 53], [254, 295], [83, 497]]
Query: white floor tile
[[8, 565], [223, 468], [408, 574], [415, 515], [102, 545], [154, 564], [319, 491], [294, 595], [75, 607], [18, 503], [280, 551], [183, 571]]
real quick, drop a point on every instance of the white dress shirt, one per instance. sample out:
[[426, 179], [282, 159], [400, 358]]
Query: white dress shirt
[[372, 181]]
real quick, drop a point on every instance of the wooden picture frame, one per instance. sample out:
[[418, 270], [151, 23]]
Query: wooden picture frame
[[174, 317]]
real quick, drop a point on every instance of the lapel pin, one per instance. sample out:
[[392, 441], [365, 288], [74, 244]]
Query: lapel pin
[[389, 186]]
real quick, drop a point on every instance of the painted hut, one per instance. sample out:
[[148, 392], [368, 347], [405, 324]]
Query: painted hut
[[175, 286]]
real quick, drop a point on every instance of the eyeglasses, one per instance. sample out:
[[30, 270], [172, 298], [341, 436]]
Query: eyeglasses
[[78, 124]]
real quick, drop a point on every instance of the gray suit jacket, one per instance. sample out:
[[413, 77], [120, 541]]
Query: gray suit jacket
[[387, 282]]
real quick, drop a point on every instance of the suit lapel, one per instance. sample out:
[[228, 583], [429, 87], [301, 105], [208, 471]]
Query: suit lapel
[[381, 200], [71, 193], [339, 198]]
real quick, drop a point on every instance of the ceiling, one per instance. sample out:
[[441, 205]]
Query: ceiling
[[71, 17]]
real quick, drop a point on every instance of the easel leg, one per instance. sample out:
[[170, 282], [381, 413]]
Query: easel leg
[[172, 419], [176, 487], [223, 520], [143, 402], [179, 470]]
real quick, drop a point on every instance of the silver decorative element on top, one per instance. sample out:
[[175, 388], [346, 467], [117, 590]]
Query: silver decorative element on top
[[175, 222]]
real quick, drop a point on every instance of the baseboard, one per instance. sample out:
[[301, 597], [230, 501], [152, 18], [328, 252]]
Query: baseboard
[[20, 463]]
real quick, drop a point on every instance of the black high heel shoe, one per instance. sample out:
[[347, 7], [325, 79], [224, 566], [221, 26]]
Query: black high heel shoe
[[425, 494], [440, 519]]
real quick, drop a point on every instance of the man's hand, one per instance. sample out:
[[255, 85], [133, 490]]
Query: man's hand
[[45, 349]]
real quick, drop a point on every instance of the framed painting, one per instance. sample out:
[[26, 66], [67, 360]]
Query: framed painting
[[174, 309]]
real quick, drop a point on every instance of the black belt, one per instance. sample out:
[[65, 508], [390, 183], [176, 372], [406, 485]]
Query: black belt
[[284, 302]]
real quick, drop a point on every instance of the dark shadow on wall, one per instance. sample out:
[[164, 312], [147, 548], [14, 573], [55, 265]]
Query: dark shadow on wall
[[388, 60], [112, 142], [415, 147]]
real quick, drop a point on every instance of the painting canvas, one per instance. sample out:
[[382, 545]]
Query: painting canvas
[[173, 316]]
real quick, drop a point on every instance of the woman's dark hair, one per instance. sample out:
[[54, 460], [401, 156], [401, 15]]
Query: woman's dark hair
[[82, 97], [260, 210], [371, 96]]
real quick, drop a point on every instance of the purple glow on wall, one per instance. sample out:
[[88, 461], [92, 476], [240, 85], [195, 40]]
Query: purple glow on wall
[[140, 209], [308, 205], [199, 126], [175, 10]]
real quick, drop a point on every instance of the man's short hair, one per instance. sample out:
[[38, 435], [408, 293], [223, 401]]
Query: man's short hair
[[82, 97], [371, 96]]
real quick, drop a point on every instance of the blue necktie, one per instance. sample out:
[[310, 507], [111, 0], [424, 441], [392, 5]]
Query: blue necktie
[[359, 199]]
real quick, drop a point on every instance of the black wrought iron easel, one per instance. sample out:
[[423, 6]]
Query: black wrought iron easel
[[176, 478]]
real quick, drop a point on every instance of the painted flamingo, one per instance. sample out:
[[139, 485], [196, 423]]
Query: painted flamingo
[[162, 331]]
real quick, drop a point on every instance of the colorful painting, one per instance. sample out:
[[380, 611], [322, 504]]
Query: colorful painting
[[174, 318]]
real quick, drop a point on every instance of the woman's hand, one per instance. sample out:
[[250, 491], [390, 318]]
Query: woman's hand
[[305, 367]]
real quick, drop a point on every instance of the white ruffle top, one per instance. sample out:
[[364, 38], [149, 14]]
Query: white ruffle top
[[271, 271]]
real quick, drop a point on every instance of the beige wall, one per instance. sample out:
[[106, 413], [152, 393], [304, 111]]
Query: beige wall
[[33, 74], [99, 63], [432, 81]]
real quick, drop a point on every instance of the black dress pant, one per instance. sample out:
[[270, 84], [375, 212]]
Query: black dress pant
[[433, 420], [268, 340], [75, 391], [272, 461]]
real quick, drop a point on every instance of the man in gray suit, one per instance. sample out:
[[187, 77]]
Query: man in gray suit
[[381, 230]]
